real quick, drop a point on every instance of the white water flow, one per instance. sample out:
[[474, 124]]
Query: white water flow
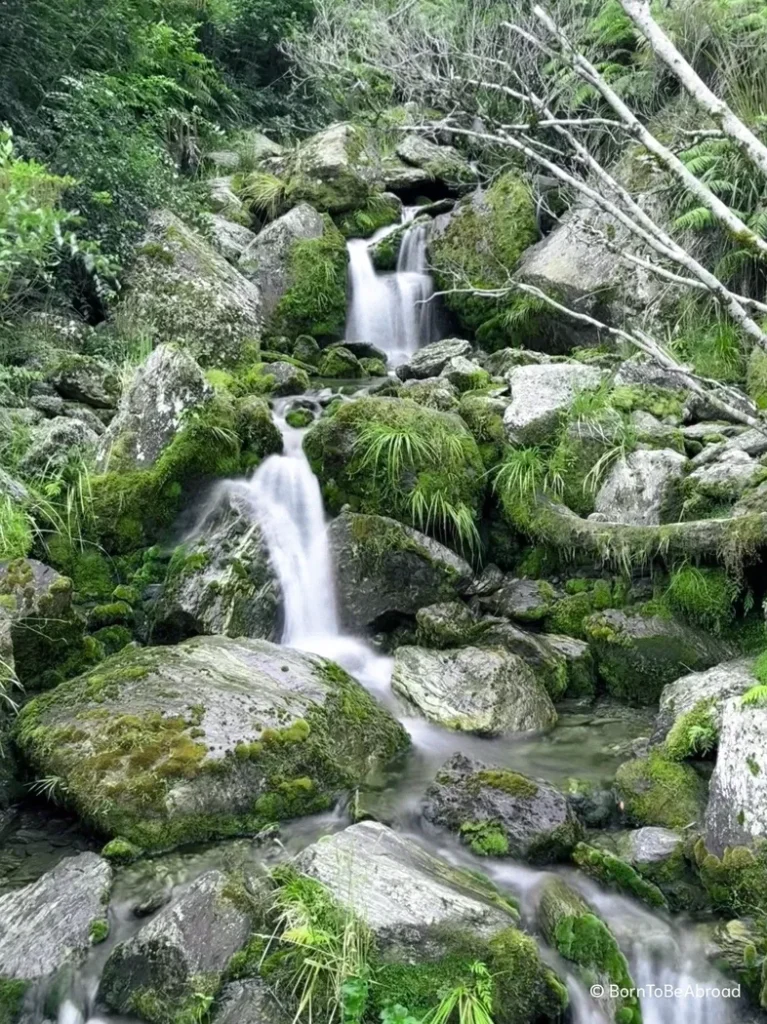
[[393, 311]]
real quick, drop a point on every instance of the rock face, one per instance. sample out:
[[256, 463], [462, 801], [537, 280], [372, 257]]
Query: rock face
[[737, 808], [645, 489], [501, 813], [222, 582], [185, 291], [90, 381], [384, 568], [182, 951], [213, 737], [434, 392], [523, 600], [443, 163], [46, 926], [55, 443], [432, 359], [335, 170], [404, 895], [231, 239], [541, 395], [698, 689], [168, 386], [637, 655], [248, 1002], [267, 259], [485, 691]]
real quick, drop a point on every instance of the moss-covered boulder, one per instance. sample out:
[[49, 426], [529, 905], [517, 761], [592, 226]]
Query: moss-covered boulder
[[449, 624], [578, 934], [501, 813], [335, 170], [443, 163], [539, 650], [638, 655], [541, 397], [42, 634], [643, 489], [55, 445], [521, 599], [178, 958], [86, 379], [181, 289], [615, 873], [220, 581], [433, 392], [487, 691], [385, 571], [392, 457], [213, 737], [338, 361], [656, 791], [481, 242], [380, 210]]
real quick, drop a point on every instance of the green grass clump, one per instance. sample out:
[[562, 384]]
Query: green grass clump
[[16, 530], [705, 597]]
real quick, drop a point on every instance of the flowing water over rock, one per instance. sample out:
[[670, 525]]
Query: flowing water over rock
[[393, 311]]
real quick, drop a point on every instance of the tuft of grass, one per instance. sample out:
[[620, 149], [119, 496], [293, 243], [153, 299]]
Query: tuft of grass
[[706, 597], [16, 530], [265, 193], [471, 1003]]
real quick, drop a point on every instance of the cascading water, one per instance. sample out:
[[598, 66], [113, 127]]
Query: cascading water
[[393, 311]]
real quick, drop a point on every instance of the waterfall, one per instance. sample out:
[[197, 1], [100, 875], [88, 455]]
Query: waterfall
[[392, 311]]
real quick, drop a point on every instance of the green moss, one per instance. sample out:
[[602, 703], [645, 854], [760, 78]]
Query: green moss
[[125, 592], [115, 613], [121, 851], [373, 367], [485, 838], [378, 212], [248, 961], [299, 418], [12, 992], [482, 244], [736, 882], [507, 782], [339, 362], [315, 302], [703, 596], [615, 873], [99, 930], [693, 734], [657, 791]]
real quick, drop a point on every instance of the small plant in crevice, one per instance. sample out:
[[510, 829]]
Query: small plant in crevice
[[470, 1003]]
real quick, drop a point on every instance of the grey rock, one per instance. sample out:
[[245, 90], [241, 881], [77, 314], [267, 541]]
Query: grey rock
[[522, 600], [46, 925], [91, 418], [443, 163], [736, 814], [183, 290], [579, 662], [489, 580], [288, 379], [248, 1002], [547, 662], [464, 374], [87, 380], [712, 687], [335, 169], [168, 386], [12, 488], [48, 405], [650, 845], [209, 697], [486, 691], [715, 428], [532, 816], [541, 395], [223, 159], [752, 442], [434, 392], [231, 239], [696, 407], [55, 443], [223, 199], [450, 624], [643, 489], [383, 567], [222, 582], [728, 476], [499, 363], [431, 360], [267, 259], [408, 898], [193, 937]]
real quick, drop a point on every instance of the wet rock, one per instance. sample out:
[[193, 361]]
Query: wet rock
[[522, 600], [644, 489], [248, 1002], [405, 896], [223, 581], [267, 259], [434, 392], [721, 482], [231, 239], [579, 661], [338, 362], [702, 692], [541, 396], [183, 290], [213, 737], [167, 387], [450, 624], [752, 442], [432, 359], [55, 444], [638, 655], [737, 808], [97, 420], [441, 163], [481, 690], [385, 568], [179, 954], [547, 662], [46, 926], [87, 380], [12, 488], [287, 379], [464, 374], [651, 845], [501, 813], [501, 362]]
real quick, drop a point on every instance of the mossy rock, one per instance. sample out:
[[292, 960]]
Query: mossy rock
[[212, 738], [656, 791], [482, 242], [441, 465], [616, 873], [339, 362], [380, 210]]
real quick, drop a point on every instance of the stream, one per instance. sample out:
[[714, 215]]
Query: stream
[[392, 311]]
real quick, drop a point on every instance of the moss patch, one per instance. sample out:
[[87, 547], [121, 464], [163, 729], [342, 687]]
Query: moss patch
[[657, 791]]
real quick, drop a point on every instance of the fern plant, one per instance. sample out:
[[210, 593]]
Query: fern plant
[[470, 1003]]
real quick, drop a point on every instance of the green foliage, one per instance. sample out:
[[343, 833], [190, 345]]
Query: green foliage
[[265, 193], [615, 873], [693, 734], [705, 597], [16, 530], [469, 1003], [713, 345], [756, 696], [657, 791], [315, 303]]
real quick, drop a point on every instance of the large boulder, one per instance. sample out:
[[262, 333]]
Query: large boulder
[[213, 737], [182, 289], [501, 813], [56, 445], [168, 386], [221, 581], [638, 655], [432, 359], [267, 259], [41, 631], [45, 927], [335, 170], [541, 396], [231, 239], [356, 455], [737, 808], [481, 690], [87, 380], [178, 956], [685, 702], [441, 163], [644, 489], [385, 569], [521, 599]]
